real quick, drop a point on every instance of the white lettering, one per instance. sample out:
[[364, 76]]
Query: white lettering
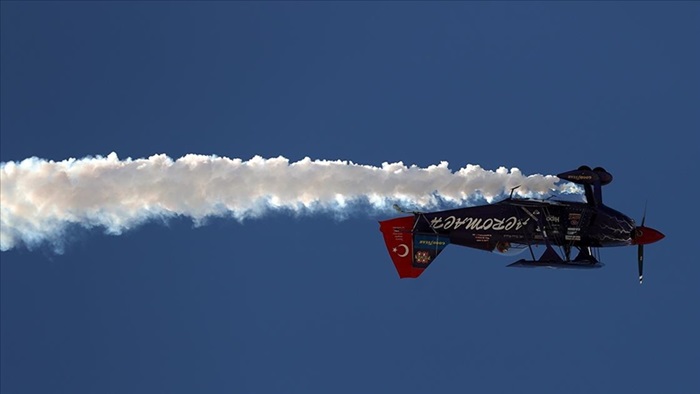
[[473, 224], [521, 224], [460, 222], [498, 224], [486, 225], [436, 223], [478, 224]]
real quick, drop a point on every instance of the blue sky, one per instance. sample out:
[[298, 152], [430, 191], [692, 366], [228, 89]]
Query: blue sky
[[313, 304]]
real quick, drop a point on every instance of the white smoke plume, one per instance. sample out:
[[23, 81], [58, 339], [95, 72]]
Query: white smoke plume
[[40, 199]]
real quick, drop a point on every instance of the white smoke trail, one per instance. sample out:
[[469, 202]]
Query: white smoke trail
[[39, 199]]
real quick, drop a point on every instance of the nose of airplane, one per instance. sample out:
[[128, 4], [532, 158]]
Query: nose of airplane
[[645, 235]]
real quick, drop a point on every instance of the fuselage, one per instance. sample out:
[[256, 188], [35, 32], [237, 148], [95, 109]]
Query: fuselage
[[520, 221]]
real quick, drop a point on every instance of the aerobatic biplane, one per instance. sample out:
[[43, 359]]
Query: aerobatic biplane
[[514, 225]]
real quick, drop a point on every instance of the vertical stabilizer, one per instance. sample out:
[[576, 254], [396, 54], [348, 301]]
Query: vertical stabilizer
[[411, 252]]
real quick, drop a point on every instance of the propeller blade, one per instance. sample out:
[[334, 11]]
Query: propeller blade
[[640, 261], [644, 217]]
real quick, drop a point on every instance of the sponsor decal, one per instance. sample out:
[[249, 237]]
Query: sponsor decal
[[579, 177], [574, 219], [422, 257], [430, 242], [482, 237], [478, 224]]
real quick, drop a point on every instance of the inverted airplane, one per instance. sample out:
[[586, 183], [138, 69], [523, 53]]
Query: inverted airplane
[[514, 225]]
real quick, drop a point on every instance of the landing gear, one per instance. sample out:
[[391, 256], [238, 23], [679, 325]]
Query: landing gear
[[585, 256], [567, 252], [550, 258]]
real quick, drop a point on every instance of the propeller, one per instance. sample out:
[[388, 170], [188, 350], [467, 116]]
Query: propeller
[[641, 236], [640, 249], [640, 262]]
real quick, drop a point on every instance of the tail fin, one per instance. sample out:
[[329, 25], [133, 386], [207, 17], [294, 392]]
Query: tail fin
[[411, 252], [592, 181]]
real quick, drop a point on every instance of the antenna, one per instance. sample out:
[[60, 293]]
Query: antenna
[[401, 210], [513, 190]]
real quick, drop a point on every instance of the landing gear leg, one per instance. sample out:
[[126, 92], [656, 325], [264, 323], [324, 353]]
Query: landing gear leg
[[584, 254], [550, 256]]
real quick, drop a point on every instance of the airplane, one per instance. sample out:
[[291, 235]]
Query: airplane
[[513, 225]]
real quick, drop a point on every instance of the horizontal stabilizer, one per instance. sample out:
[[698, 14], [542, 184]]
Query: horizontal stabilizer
[[585, 176]]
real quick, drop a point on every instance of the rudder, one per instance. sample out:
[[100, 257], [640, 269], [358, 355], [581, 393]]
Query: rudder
[[411, 252]]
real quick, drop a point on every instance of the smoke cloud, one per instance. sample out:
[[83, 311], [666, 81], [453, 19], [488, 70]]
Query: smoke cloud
[[40, 199]]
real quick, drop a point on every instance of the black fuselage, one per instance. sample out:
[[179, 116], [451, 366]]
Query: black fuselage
[[528, 222]]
